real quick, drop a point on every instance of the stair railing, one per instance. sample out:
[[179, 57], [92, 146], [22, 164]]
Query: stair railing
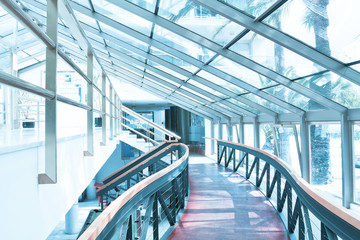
[[148, 209], [146, 138], [305, 213], [170, 135]]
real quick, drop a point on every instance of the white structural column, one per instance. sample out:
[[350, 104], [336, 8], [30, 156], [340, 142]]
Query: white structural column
[[305, 157], [347, 163], [220, 130], [90, 103], [229, 131], [50, 175], [103, 116], [115, 114], [241, 131], [212, 133], [111, 113], [120, 114], [256, 133]]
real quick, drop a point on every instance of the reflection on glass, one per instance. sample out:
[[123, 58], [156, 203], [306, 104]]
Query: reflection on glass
[[286, 146], [241, 72], [200, 20], [356, 133], [176, 41], [174, 60], [147, 4], [274, 56], [325, 142], [254, 8], [265, 103], [267, 138], [225, 84], [290, 96], [122, 16], [321, 25], [334, 87]]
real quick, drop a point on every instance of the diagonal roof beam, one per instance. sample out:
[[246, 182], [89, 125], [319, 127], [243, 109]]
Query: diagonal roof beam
[[194, 37], [178, 54], [197, 78], [282, 39], [183, 99], [174, 79]]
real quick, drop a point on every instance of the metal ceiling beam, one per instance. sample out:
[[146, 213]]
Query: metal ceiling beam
[[198, 39], [174, 79], [156, 89], [190, 99], [180, 71], [189, 75], [282, 39], [178, 54]]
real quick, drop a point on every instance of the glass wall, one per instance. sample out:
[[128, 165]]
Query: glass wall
[[249, 134], [325, 145], [356, 151], [267, 138]]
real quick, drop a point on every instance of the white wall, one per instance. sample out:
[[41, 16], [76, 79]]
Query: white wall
[[159, 118], [31, 211]]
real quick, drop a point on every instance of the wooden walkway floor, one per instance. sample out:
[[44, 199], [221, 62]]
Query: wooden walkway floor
[[223, 205]]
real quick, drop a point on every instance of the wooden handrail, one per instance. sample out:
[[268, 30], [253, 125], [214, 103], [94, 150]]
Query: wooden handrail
[[109, 213]]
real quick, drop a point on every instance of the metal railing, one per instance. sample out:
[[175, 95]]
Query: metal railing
[[147, 209], [167, 133], [305, 213]]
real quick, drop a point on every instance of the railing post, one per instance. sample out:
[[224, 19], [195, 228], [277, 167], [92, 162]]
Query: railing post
[[90, 103], [111, 113], [347, 163], [50, 175], [155, 218], [103, 127]]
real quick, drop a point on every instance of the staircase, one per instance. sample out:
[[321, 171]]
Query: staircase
[[138, 143]]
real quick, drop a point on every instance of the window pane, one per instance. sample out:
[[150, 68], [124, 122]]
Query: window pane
[[326, 157], [357, 161], [249, 134], [267, 138], [321, 25], [200, 20]]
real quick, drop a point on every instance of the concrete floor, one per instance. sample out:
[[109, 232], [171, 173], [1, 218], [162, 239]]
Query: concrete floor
[[84, 209]]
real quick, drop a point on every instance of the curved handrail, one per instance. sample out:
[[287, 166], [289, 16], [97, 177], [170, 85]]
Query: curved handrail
[[126, 201], [337, 218]]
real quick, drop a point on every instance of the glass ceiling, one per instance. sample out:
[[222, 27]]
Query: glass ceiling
[[206, 57]]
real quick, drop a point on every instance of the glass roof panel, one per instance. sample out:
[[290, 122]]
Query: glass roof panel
[[167, 70], [125, 51], [146, 4], [214, 79], [182, 44], [329, 26], [5, 62], [334, 87], [83, 18], [122, 16], [274, 56], [161, 77], [158, 84], [174, 60], [241, 72], [123, 37], [254, 110], [290, 96], [219, 104], [206, 88], [196, 93], [200, 20], [265, 103], [254, 8]]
